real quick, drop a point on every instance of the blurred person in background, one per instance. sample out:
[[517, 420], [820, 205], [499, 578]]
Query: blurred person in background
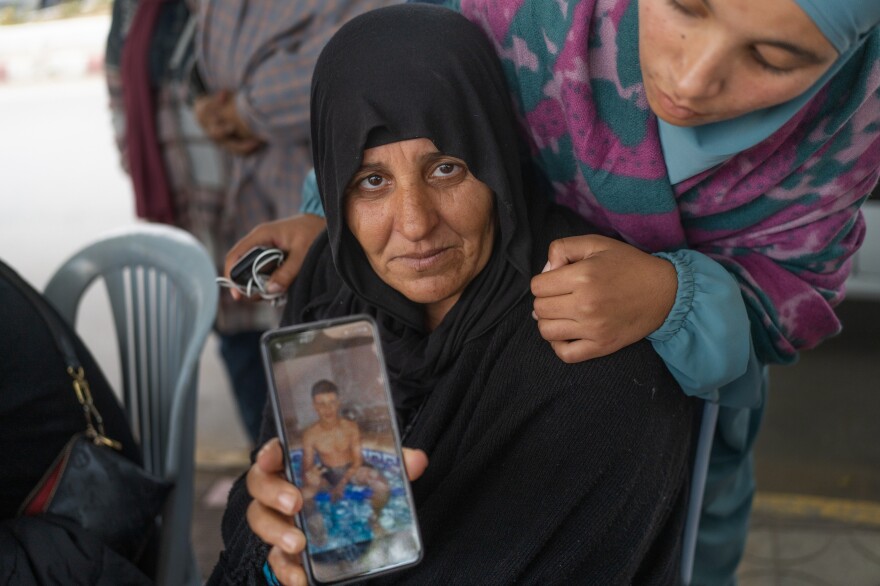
[[216, 137]]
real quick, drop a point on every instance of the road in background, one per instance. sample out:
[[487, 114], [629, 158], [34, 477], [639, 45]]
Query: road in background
[[61, 186], [57, 49]]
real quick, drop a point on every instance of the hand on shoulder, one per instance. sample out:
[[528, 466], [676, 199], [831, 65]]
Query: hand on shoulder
[[597, 295]]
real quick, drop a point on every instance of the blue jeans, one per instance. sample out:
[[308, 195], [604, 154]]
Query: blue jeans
[[244, 364]]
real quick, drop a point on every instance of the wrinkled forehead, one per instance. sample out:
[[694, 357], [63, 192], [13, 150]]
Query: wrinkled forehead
[[411, 149]]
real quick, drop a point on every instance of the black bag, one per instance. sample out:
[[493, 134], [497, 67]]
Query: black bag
[[103, 492], [91, 482]]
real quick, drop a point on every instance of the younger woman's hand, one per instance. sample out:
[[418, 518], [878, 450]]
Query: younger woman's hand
[[597, 295]]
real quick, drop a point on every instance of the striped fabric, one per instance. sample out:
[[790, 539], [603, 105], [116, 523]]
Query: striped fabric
[[265, 52]]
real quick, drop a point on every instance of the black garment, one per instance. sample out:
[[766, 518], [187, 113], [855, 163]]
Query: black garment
[[334, 474], [540, 472], [50, 550], [39, 413]]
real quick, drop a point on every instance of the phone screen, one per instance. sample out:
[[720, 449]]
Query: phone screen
[[334, 413]]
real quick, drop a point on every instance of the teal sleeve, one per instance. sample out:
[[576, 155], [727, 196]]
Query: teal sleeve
[[271, 580], [311, 198], [705, 341]]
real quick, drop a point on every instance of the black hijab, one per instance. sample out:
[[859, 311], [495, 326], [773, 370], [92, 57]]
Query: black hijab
[[398, 73]]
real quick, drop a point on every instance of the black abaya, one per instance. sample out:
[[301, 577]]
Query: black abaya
[[540, 472]]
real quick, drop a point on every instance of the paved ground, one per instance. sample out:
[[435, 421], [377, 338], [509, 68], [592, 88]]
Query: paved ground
[[821, 434], [792, 542], [798, 551], [817, 517]]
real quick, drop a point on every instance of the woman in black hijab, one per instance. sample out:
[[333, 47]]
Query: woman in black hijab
[[540, 472]]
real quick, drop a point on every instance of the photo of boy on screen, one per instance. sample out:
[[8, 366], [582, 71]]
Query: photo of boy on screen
[[337, 443], [338, 423]]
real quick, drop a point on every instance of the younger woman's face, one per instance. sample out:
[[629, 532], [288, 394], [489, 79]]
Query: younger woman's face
[[710, 60]]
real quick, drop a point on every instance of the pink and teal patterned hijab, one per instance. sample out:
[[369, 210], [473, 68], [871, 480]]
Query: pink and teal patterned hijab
[[782, 216]]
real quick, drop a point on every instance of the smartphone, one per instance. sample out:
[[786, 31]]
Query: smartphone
[[332, 404]]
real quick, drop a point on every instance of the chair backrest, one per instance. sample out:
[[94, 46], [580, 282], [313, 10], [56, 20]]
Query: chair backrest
[[698, 486], [160, 283]]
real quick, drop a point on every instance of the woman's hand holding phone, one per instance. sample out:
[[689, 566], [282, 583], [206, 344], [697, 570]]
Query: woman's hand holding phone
[[415, 462], [270, 514], [276, 501]]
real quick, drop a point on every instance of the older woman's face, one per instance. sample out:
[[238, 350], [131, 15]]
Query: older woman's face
[[709, 60], [425, 223]]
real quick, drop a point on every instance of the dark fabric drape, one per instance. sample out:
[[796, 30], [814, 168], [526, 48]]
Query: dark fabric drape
[[39, 411], [153, 199], [52, 550], [540, 472]]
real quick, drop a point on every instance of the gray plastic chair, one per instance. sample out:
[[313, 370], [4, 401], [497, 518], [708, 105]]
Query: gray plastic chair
[[698, 487], [160, 281]]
